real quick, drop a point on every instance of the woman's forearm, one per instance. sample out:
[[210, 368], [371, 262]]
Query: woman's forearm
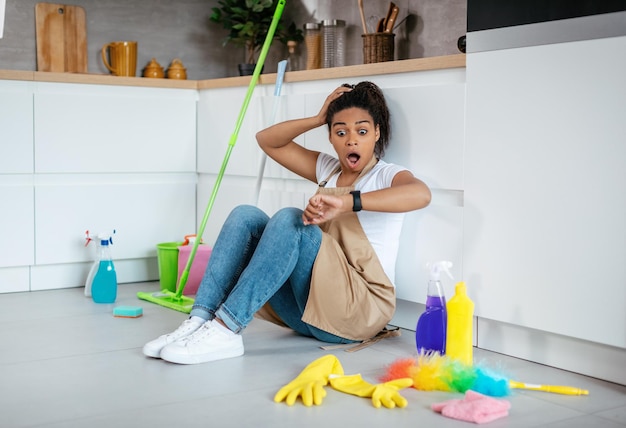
[[281, 134], [402, 198]]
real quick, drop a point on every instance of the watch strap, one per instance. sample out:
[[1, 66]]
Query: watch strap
[[356, 200]]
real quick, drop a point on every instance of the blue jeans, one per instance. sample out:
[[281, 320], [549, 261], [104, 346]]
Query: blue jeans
[[257, 259]]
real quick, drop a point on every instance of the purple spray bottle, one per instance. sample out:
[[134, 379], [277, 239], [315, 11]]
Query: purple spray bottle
[[430, 333]]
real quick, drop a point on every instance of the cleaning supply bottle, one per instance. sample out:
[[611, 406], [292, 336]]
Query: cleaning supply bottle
[[430, 333], [104, 285], [459, 336], [94, 265]]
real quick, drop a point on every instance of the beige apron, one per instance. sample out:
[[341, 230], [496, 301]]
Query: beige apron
[[350, 295]]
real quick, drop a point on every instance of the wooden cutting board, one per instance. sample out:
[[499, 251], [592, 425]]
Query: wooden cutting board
[[61, 33]]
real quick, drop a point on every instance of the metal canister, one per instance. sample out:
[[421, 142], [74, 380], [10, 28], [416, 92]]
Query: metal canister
[[333, 43]]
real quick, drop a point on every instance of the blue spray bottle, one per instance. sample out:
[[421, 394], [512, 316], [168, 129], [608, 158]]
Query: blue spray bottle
[[102, 279], [430, 333]]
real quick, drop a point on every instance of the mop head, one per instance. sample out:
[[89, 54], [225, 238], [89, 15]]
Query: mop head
[[434, 372], [169, 300]]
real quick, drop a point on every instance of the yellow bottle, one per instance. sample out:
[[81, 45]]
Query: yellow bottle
[[459, 335]]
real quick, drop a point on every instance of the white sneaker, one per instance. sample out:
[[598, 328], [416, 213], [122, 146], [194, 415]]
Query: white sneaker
[[154, 347], [208, 343]]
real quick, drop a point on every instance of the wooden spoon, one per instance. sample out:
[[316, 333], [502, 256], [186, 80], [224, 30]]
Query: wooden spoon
[[362, 16]]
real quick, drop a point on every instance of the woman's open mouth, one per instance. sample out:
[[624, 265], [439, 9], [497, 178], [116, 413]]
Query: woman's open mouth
[[353, 159]]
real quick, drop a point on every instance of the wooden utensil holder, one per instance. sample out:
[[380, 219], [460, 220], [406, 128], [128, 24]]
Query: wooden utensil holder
[[378, 47]]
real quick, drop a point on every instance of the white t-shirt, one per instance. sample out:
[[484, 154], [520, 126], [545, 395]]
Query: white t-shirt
[[382, 229]]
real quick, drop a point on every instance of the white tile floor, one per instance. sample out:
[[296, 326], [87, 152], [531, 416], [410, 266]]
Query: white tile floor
[[67, 362]]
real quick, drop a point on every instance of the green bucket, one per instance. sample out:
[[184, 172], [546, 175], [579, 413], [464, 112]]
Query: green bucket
[[167, 257]]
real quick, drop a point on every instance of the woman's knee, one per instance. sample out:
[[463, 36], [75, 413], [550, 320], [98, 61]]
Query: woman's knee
[[245, 217], [247, 213], [289, 221], [289, 216]]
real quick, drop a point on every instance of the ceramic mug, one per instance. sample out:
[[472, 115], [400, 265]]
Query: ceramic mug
[[123, 57]]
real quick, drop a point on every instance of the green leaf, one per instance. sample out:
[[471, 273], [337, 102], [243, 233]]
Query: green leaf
[[248, 22]]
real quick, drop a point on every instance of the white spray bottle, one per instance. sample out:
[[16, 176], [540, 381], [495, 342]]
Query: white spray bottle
[[94, 265]]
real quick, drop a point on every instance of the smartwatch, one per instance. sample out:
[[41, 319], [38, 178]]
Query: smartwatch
[[356, 200]]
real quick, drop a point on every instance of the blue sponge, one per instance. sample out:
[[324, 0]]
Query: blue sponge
[[128, 311]]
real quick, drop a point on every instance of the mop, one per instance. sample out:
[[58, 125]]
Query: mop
[[282, 66], [176, 300]]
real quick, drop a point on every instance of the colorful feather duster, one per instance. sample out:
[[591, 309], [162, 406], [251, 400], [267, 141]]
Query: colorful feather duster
[[434, 372]]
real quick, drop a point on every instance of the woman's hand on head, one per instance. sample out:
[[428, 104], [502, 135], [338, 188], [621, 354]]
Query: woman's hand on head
[[322, 208], [336, 93]]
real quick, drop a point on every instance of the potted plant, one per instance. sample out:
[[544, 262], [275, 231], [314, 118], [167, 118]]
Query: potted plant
[[248, 22], [292, 37]]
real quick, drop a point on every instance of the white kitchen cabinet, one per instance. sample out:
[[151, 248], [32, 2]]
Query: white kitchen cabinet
[[17, 233], [135, 208], [91, 128], [16, 185], [14, 279], [218, 112], [16, 225], [428, 124], [16, 127], [142, 211], [279, 109], [545, 188], [79, 157], [545, 203], [427, 136]]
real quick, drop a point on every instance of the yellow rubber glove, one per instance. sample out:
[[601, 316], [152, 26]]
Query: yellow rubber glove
[[310, 382], [383, 393]]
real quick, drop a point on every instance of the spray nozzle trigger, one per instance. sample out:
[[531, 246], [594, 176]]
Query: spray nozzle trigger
[[437, 267], [101, 237]]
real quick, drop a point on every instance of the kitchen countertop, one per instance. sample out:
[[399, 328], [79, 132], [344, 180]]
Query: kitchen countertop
[[391, 67]]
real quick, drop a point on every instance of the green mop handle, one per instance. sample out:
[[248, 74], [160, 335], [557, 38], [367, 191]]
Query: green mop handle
[[231, 143]]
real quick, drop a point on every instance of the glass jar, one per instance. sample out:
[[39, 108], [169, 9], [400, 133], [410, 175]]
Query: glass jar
[[293, 60], [333, 43], [313, 42]]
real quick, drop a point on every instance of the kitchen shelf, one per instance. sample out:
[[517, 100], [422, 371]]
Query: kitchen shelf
[[391, 67]]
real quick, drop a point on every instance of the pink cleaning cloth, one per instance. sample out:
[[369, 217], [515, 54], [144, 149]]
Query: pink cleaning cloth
[[474, 407]]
